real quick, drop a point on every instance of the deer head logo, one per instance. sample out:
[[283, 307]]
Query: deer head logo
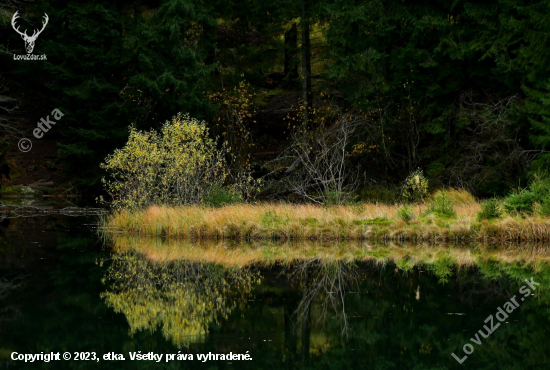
[[29, 40]]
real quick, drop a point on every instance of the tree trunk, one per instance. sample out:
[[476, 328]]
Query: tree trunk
[[306, 63], [291, 49]]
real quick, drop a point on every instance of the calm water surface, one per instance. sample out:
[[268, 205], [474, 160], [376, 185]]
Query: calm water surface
[[63, 290]]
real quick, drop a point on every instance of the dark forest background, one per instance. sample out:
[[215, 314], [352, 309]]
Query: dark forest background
[[460, 89]]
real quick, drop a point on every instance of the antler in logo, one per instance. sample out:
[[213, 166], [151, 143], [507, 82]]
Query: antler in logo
[[29, 40]]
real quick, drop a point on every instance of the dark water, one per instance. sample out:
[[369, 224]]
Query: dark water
[[63, 290]]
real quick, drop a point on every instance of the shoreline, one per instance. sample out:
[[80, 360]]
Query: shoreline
[[287, 222]]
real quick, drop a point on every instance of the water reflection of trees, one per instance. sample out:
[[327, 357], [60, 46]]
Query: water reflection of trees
[[182, 298], [395, 316], [321, 283], [9, 309], [390, 301], [328, 282], [185, 298]]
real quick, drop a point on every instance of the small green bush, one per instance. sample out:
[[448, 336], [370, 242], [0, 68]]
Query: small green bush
[[441, 205], [523, 201], [405, 213], [271, 220], [335, 197], [545, 208], [489, 210], [540, 186], [220, 196]]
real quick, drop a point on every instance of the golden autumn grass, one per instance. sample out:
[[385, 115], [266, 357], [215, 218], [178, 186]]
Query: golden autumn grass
[[365, 221], [230, 253]]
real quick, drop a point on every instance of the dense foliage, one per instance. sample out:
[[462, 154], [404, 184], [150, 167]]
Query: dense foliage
[[460, 89], [178, 165]]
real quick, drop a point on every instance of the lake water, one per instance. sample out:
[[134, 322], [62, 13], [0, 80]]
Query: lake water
[[64, 290]]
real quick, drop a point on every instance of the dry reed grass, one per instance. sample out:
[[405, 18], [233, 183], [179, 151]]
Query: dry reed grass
[[367, 221], [459, 197]]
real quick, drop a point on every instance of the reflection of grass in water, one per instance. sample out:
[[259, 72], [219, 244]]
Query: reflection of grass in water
[[439, 259], [175, 285], [311, 222]]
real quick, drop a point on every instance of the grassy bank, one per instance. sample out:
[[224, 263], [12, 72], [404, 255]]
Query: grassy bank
[[279, 221]]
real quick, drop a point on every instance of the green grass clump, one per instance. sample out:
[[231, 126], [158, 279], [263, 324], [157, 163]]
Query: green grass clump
[[441, 205], [545, 208], [406, 214], [220, 196], [374, 221], [490, 209], [520, 202], [271, 220], [523, 201]]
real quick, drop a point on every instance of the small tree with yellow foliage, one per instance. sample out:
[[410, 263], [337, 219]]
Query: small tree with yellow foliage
[[415, 186], [178, 165]]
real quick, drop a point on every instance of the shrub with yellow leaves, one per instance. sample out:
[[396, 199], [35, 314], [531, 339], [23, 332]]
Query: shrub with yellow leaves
[[415, 186], [178, 165]]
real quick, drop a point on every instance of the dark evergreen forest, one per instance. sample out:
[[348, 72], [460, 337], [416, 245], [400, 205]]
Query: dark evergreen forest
[[460, 89]]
